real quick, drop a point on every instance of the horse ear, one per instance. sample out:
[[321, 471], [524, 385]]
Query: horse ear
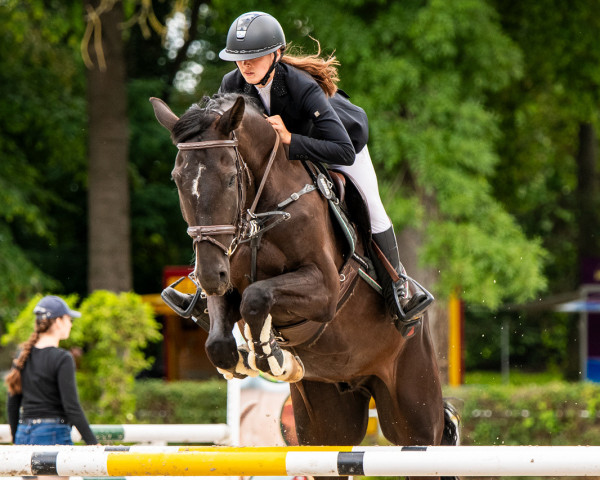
[[164, 114], [232, 118]]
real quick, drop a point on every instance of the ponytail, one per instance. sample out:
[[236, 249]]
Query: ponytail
[[13, 378], [323, 70]]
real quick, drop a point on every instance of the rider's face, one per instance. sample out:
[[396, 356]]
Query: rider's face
[[254, 70]]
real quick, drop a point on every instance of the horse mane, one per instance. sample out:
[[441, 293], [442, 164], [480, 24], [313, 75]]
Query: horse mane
[[200, 116]]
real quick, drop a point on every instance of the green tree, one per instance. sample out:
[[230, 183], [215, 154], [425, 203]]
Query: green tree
[[550, 118], [548, 174], [113, 332], [42, 151]]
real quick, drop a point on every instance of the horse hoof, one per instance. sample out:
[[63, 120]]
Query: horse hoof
[[242, 368], [227, 375], [292, 368]]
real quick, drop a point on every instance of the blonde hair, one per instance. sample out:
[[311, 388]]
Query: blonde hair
[[13, 378], [323, 70]]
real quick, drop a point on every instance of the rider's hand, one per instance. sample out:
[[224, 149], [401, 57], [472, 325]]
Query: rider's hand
[[277, 123]]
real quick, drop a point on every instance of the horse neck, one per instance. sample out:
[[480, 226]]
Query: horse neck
[[256, 146]]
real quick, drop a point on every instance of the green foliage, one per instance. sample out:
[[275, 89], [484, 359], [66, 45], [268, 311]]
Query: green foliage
[[516, 377], [550, 414], [21, 278], [535, 342], [111, 334], [113, 331], [158, 401], [42, 117], [181, 401], [443, 139], [559, 90]]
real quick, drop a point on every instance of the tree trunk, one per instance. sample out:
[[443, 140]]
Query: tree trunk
[[588, 222], [587, 193], [108, 189]]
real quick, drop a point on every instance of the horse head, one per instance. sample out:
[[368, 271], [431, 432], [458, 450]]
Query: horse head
[[210, 176]]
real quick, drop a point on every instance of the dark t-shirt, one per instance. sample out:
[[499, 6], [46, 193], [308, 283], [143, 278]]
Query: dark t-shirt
[[49, 390]]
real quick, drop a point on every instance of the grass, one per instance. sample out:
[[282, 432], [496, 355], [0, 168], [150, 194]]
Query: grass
[[515, 377]]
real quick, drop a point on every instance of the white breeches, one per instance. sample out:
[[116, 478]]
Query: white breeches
[[363, 173]]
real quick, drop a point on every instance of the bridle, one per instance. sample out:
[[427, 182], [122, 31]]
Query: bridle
[[244, 226]]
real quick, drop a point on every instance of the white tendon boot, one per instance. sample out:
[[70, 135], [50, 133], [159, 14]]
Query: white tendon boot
[[289, 369]]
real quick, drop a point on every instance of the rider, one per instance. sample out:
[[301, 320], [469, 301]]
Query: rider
[[317, 122]]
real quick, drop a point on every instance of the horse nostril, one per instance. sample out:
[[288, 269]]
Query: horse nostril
[[223, 276]]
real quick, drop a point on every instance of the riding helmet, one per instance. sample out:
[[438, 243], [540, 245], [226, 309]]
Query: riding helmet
[[253, 35]]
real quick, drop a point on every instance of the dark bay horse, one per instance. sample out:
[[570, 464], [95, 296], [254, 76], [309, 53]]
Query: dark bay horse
[[231, 172]]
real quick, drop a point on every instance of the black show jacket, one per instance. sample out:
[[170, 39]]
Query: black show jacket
[[324, 129]]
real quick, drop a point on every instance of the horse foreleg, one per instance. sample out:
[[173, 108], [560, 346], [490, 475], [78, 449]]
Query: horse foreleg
[[300, 293], [221, 347]]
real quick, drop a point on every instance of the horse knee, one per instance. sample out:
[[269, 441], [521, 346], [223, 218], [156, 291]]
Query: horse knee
[[256, 302], [222, 352]]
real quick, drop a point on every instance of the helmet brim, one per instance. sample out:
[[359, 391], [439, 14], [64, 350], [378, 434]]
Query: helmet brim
[[238, 56]]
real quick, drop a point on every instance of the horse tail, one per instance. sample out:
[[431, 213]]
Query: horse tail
[[451, 435]]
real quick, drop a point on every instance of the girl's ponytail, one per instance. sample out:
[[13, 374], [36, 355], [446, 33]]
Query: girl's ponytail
[[323, 70], [13, 378]]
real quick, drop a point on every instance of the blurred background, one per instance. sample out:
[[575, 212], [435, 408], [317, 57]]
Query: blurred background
[[483, 128]]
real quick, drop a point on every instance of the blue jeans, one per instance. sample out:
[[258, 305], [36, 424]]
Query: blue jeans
[[44, 432]]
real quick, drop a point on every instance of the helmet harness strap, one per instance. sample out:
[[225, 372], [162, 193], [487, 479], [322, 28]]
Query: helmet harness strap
[[265, 79]]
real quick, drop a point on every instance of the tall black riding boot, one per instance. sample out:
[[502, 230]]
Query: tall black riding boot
[[406, 308]]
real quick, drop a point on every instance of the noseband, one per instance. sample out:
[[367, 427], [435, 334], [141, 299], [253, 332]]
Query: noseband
[[206, 233]]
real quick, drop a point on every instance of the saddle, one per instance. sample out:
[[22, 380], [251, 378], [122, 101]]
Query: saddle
[[349, 207]]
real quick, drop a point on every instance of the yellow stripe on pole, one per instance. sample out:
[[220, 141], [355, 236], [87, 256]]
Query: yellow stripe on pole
[[197, 463], [454, 341]]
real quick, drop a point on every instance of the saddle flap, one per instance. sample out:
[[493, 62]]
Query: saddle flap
[[355, 203], [339, 183]]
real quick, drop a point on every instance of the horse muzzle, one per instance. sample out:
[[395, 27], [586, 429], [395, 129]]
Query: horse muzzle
[[211, 270]]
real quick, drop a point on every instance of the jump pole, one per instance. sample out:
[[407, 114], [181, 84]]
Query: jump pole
[[283, 461]]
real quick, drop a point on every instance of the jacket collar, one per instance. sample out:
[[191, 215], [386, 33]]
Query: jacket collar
[[278, 88]]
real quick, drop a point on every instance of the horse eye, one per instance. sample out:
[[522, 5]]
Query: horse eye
[[232, 181]]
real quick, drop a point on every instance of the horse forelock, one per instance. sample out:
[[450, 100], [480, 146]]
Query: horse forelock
[[200, 116], [192, 123]]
